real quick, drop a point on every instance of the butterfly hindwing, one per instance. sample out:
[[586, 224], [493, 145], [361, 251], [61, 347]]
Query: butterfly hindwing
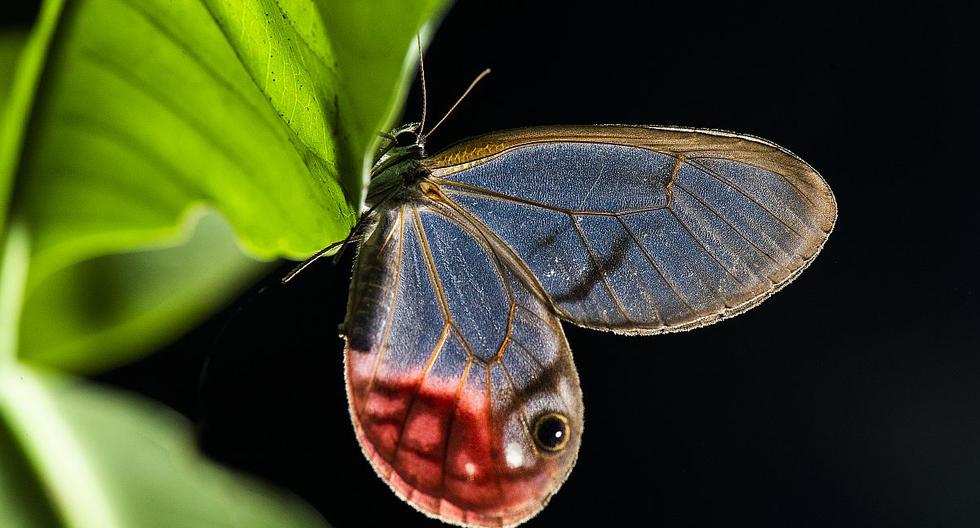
[[451, 357], [641, 229]]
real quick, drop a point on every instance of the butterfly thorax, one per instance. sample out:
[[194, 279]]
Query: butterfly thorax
[[396, 176]]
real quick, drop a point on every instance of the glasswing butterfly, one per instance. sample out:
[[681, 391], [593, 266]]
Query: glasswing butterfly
[[461, 385]]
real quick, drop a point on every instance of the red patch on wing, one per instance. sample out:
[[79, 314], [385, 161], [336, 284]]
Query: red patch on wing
[[439, 451]]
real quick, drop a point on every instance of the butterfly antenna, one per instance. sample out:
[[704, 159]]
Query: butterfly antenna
[[425, 98], [316, 256], [484, 73]]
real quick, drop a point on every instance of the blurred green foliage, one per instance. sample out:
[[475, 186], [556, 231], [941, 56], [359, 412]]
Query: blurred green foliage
[[11, 43], [153, 154], [75, 455]]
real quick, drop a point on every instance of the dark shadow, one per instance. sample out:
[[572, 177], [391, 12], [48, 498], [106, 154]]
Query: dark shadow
[[606, 264]]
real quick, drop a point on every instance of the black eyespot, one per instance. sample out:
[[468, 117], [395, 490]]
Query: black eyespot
[[551, 432]]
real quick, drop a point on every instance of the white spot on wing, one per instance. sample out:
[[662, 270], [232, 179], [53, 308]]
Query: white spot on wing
[[565, 390], [514, 455]]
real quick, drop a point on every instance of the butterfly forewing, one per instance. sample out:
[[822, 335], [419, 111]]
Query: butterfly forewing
[[451, 358], [639, 229]]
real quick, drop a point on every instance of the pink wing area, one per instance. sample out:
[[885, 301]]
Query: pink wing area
[[450, 359]]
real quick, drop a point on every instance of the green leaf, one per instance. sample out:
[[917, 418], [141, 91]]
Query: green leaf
[[23, 61], [11, 43], [77, 456], [152, 112], [14, 255], [93, 457], [108, 303], [263, 111]]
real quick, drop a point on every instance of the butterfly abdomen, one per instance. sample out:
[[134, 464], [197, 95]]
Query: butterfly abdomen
[[371, 285]]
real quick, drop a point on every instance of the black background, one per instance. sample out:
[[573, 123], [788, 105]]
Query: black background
[[849, 399]]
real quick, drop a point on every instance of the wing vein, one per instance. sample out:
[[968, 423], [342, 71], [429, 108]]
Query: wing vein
[[656, 266], [437, 283], [528, 353], [756, 166], [451, 421], [494, 454], [719, 239], [532, 312], [487, 246], [696, 239], [522, 408], [433, 355], [602, 271], [472, 190], [725, 220], [430, 265], [502, 251], [383, 347], [725, 181]]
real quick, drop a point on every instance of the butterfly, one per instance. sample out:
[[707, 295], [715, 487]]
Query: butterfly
[[461, 385]]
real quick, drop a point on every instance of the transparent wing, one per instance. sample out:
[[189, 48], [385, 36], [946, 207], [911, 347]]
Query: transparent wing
[[450, 359], [642, 230]]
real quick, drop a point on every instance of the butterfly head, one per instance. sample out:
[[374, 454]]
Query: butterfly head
[[403, 140], [397, 165]]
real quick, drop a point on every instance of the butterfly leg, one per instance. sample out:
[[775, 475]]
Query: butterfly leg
[[316, 256]]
